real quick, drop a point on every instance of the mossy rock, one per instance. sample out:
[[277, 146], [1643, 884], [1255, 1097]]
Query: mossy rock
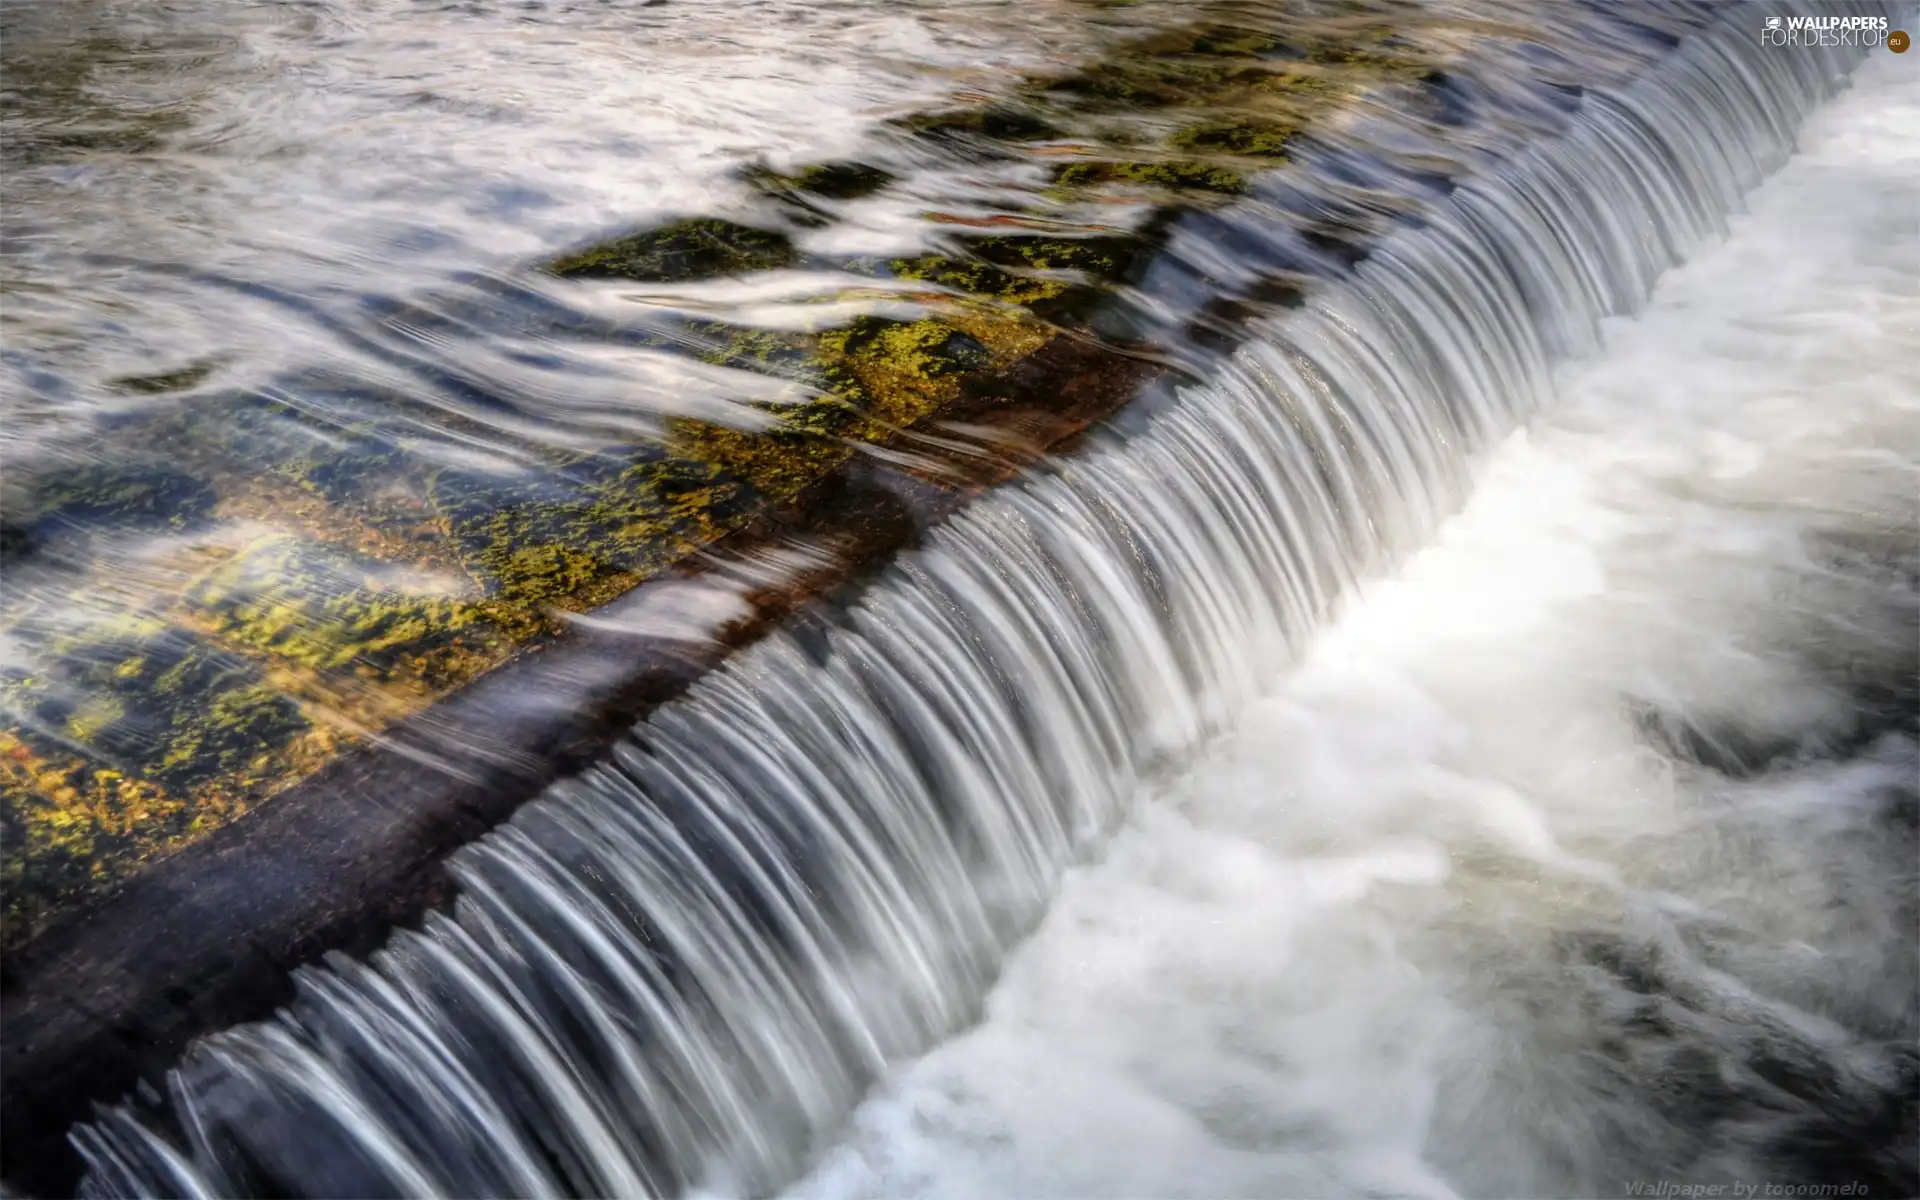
[[693, 249], [127, 495], [126, 738], [1243, 136], [68, 828], [324, 609], [926, 349], [977, 278], [1002, 267], [828, 181], [141, 695], [778, 463], [16, 541], [990, 122], [538, 540], [1173, 175], [180, 380], [1229, 41], [777, 352], [808, 196], [357, 449], [1107, 259], [1150, 84]]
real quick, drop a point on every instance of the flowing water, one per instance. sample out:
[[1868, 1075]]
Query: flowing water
[[1580, 847], [1579, 854], [238, 186]]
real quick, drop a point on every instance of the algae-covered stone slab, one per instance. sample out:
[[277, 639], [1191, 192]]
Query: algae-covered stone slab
[[125, 738], [338, 545], [694, 248]]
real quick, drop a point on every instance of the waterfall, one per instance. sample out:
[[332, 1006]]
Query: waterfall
[[682, 968]]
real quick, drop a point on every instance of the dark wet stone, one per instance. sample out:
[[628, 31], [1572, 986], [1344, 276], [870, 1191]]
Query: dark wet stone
[[1794, 1072], [993, 122], [696, 248], [16, 542], [1690, 1087], [167, 381], [829, 181], [125, 495], [1883, 699]]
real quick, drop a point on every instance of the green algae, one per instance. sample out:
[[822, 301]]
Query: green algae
[[828, 181], [776, 352], [1244, 137], [978, 278], [178, 380], [1149, 83], [152, 697], [1228, 41], [991, 122], [354, 451], [322, 609], [1055, 278], [775, 464], [1103, 258], [69, 830], [924, 349], [1172, 175], [147, 736], [879, 375], [133, 495], [684, 251], [528, 549]]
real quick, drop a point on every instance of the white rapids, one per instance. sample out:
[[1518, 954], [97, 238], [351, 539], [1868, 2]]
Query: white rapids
[[1575, 859]]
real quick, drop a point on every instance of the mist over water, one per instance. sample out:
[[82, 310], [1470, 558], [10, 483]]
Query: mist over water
[[1578, 854]]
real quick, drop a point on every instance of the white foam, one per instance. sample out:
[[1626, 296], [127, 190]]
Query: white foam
[[1341, 954]]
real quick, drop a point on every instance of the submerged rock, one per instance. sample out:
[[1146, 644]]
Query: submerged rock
[[691, 249]]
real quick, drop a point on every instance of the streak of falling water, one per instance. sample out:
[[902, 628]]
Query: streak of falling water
[[682, 968], [1578, 855]]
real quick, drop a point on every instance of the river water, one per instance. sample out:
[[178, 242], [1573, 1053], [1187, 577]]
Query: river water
[[170, 168], [1219, 809], [1439, 917]]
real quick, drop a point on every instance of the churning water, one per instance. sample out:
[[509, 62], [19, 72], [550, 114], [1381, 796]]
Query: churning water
[[1579, 854], [1579, 849]]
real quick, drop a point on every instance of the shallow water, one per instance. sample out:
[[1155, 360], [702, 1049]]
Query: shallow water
[[308, 424], [349, 153], [1578, 854]]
